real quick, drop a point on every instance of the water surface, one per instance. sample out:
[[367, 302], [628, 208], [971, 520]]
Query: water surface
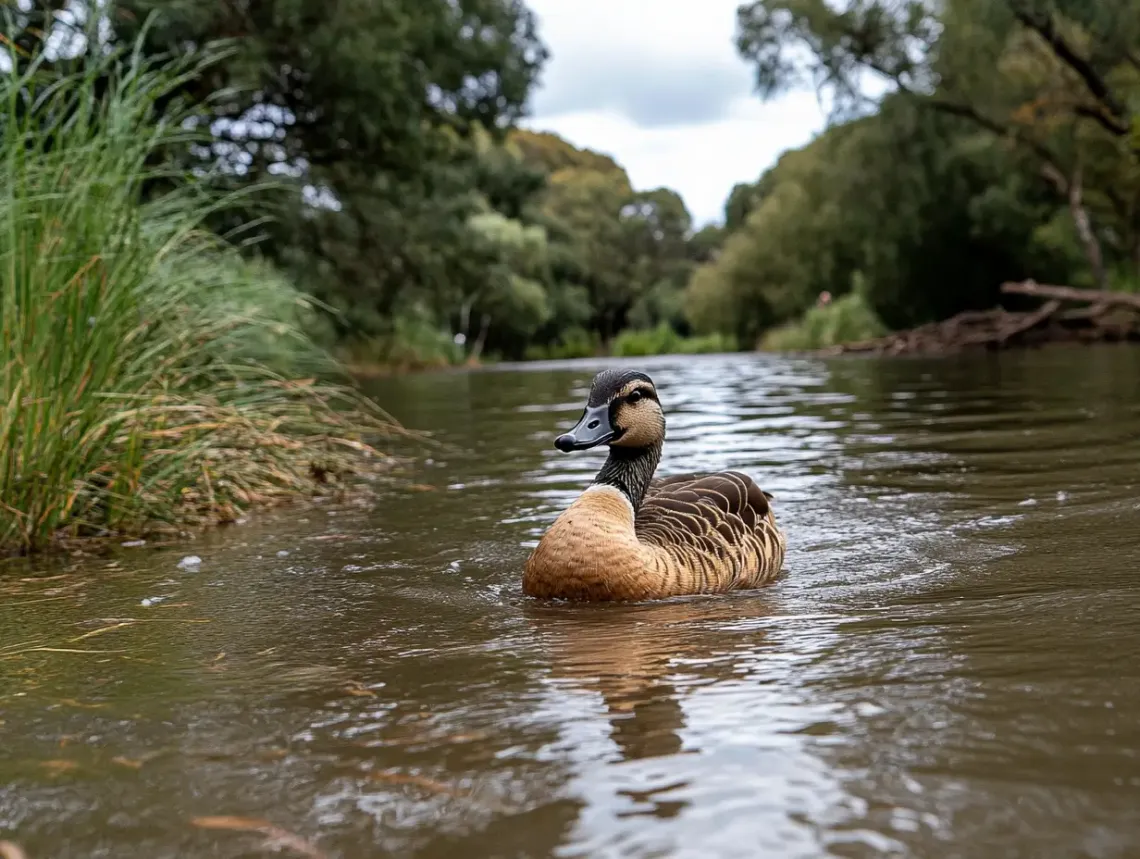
[[949, 667]]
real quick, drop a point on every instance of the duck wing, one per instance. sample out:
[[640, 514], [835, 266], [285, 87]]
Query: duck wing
[[696, 478], [718, 527], [682, 505]]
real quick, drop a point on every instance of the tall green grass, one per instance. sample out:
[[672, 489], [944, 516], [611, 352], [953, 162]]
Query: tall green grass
[[149, 375]]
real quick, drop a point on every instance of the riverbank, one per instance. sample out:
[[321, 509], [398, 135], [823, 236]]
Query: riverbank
[[662, 340], [1068, 315]]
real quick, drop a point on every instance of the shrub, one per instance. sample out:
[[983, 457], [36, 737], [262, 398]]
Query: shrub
[[664, 340], [845, 320]]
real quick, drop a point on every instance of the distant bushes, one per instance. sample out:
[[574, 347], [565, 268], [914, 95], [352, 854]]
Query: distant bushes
[[148, 374], [573, 343], [664, 340], [845, 320], [933, 216], [413, 343]]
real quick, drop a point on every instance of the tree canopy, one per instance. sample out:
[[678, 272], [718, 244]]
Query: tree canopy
[[1004, 145], [396, 185]]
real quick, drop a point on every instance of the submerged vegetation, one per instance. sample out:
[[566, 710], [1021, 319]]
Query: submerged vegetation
[[149, 374]]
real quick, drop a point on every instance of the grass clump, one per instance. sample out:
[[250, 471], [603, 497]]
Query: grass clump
[[149, 375], [664, 340], [847, 319]]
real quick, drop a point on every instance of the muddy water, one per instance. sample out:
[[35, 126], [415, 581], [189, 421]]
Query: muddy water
[[949, 668]]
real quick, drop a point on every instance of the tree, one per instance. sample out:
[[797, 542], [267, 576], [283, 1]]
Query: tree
[[512, 295], [1054, 80], [403, 196], [928, 215], [366, 111]]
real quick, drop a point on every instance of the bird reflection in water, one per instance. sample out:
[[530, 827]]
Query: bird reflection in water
[[641, 658]]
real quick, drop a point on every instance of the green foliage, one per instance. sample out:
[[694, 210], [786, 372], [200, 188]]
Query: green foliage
[[572, 343], [430, 230], [601, 256], [794, 243], [845, 320], [413, 341], [426, 227], [1005, 151], [664, 340], [932, 216], [373, 118], [1053, 83], [147, 371]]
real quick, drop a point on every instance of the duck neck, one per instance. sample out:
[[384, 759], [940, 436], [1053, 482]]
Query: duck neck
[[630, 469]]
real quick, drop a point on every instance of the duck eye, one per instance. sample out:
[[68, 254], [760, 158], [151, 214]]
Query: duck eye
[[634, 396]]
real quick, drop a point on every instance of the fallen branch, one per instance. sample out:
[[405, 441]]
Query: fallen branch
[[1070, 293], [1029, 321], [1106, 317]]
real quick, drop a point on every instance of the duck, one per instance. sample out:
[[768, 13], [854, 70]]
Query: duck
[[631, 536]]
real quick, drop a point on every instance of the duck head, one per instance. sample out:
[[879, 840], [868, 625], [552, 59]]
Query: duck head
[[622, 411]]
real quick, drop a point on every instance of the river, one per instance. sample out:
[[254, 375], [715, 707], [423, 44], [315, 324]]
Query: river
[[950, 666]]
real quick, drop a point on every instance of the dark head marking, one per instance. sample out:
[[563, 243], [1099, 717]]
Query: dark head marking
[[609, 382]]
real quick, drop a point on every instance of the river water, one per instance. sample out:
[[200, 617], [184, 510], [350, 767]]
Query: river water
[[950, 666]]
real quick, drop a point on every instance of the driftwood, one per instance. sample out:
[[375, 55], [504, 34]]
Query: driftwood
[[1107, 317]]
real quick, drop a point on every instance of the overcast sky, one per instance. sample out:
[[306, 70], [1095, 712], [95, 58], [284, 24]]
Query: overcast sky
[[659, 86]]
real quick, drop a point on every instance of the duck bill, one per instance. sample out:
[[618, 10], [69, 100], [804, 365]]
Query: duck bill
[[593, 429]]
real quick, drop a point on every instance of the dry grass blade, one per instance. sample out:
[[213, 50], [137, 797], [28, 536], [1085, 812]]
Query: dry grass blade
[[102, 630], [415, 780], [11, 653], [9, 850], [275, 837], [122, 624]]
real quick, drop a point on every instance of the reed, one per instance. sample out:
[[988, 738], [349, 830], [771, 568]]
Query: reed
[[150, 375]]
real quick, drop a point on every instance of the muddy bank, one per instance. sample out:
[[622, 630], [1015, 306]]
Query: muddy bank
[[1068, 315]]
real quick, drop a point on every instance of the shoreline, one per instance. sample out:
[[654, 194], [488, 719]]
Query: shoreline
[[361, 488], [878, 348], [1106, 317]]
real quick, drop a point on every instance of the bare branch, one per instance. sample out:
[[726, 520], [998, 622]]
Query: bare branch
[[1069, 293], [1115, 121], [1050, 168], [1056, 178]]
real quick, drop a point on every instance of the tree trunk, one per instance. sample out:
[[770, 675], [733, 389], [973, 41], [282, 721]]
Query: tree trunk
[[465, 318], [1085, 231], [481, 340], [1073, 191]]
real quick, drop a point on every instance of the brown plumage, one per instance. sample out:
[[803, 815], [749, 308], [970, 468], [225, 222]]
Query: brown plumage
[[630, 537]]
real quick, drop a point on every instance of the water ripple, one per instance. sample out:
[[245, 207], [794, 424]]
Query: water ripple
[[948, 666]]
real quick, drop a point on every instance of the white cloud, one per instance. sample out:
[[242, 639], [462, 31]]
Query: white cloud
[[659, 86]]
